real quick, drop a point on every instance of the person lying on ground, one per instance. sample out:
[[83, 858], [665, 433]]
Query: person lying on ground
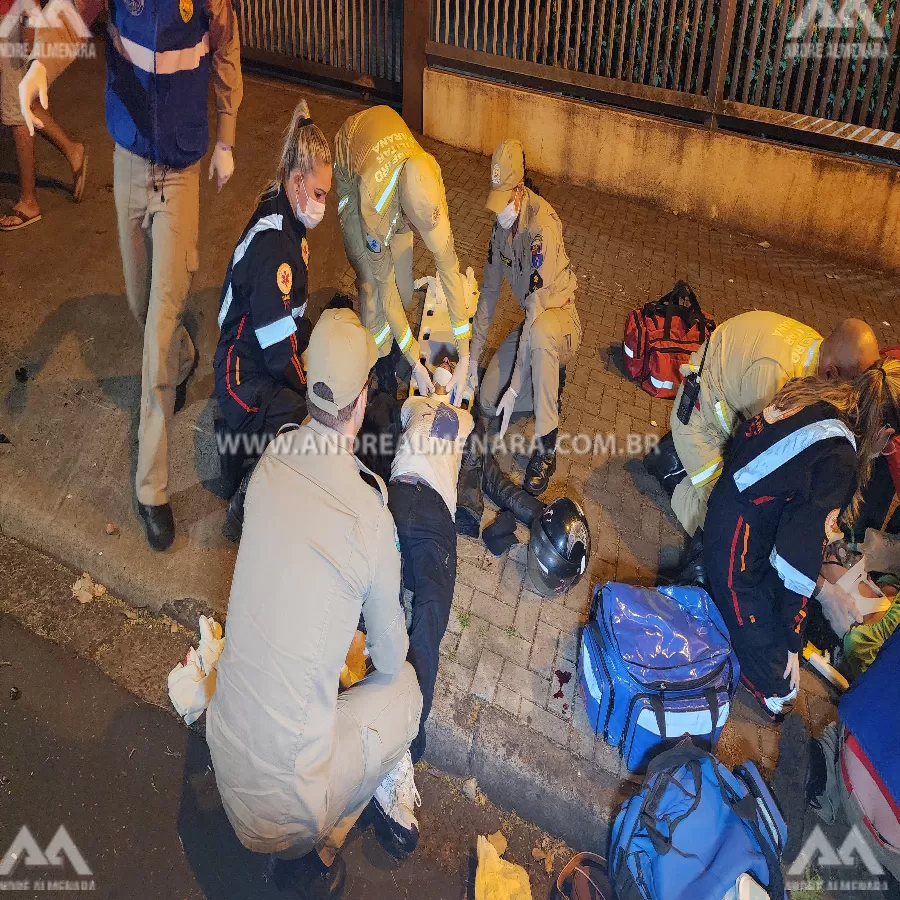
[[749, 358], [422, 499], [296, 764], [792, 469]]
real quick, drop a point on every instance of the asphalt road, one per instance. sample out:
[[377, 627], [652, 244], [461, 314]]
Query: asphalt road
[[136, 793]]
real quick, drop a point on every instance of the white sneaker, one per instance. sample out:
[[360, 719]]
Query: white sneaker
[[394, 805]]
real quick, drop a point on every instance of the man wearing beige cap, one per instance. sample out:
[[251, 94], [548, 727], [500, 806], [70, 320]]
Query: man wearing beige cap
[[295, 763], [528, 370]]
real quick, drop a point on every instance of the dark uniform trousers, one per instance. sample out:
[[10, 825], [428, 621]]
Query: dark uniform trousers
[[427, 538]]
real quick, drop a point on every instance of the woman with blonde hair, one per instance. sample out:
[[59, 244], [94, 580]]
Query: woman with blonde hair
[[260, 381], [793, 471]]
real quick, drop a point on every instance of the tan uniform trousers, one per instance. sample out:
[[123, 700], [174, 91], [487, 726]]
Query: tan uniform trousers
[[377, 720], [158, 213], [555, 338], [700, 446]]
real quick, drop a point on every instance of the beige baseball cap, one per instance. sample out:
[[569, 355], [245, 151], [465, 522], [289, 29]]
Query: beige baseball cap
[[340, 356], [507, 171]]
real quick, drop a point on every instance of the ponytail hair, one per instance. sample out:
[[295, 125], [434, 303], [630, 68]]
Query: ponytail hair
[[527, 179], [304, 146], [864, 404]]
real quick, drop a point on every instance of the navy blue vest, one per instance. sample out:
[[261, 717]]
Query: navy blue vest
[[157, 79]]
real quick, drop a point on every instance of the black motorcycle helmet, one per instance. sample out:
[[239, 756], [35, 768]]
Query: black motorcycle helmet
[[559, 548]]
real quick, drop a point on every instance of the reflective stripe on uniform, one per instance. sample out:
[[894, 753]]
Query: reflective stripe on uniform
[[166, 62], [389, 189], [628, 351], [707, 473], [276, 331], [383, 335], [406, 340], [266, 223], [720, 415], [462, 329], [794, 580], [810, 356], [787, 448], [342, 203], [660, 384]]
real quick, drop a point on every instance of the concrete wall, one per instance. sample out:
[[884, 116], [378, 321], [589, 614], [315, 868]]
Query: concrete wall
[[782, 193]]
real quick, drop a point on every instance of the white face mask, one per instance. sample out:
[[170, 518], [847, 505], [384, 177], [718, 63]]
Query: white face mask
[[442, 376], [314, 212], [507, 216]]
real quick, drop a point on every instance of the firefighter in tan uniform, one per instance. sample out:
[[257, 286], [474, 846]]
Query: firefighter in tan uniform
[[750, 358], [527, 373], [295, 762], [387, 185]]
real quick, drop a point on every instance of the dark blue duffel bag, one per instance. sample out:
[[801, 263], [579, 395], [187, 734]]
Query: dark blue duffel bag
[[656, 664], [694, 829]]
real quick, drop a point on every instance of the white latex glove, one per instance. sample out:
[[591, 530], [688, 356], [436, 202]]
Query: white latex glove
[[422, 379], [221, 164], [473, 375], [839, 607], [505, 409], [457, 384], [792, 671], [33, 86]]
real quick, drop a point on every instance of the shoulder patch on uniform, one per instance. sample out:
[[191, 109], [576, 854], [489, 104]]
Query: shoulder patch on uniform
[[186, 8], [285, 278], [536, 282], [832, 529], [537, 252], [373, 244], [304, 249], [506, 260]]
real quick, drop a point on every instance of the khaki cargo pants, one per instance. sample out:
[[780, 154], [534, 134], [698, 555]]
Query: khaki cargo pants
[[555, 338], [158, 212]]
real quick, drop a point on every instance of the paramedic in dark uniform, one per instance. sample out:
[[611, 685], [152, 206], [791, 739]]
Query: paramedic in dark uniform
[[791, 471], [161, 59], [528, 369], [260, 380]]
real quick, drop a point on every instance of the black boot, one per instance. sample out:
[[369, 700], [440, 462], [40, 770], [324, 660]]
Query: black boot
[[693, 570], [663, 464], [308, 877], [159, 523], [469, 497], [542, 465], [233, 525], [507, 494]]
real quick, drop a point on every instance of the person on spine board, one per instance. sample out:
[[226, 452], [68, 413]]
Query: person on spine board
[[791, 470], [260, 381], [527, 373], [387, 186], [749, 358], [422, 500]]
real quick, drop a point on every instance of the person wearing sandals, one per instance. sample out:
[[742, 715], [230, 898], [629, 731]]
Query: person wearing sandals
[[12, 67], [161, 58]]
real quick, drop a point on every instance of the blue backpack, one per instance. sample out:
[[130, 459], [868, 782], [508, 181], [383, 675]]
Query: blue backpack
[[655, 664], [694, 829]]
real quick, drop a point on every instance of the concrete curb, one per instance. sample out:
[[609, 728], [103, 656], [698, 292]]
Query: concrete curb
[[510, 762]]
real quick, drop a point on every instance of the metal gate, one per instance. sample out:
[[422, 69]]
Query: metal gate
[[343, 42]]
